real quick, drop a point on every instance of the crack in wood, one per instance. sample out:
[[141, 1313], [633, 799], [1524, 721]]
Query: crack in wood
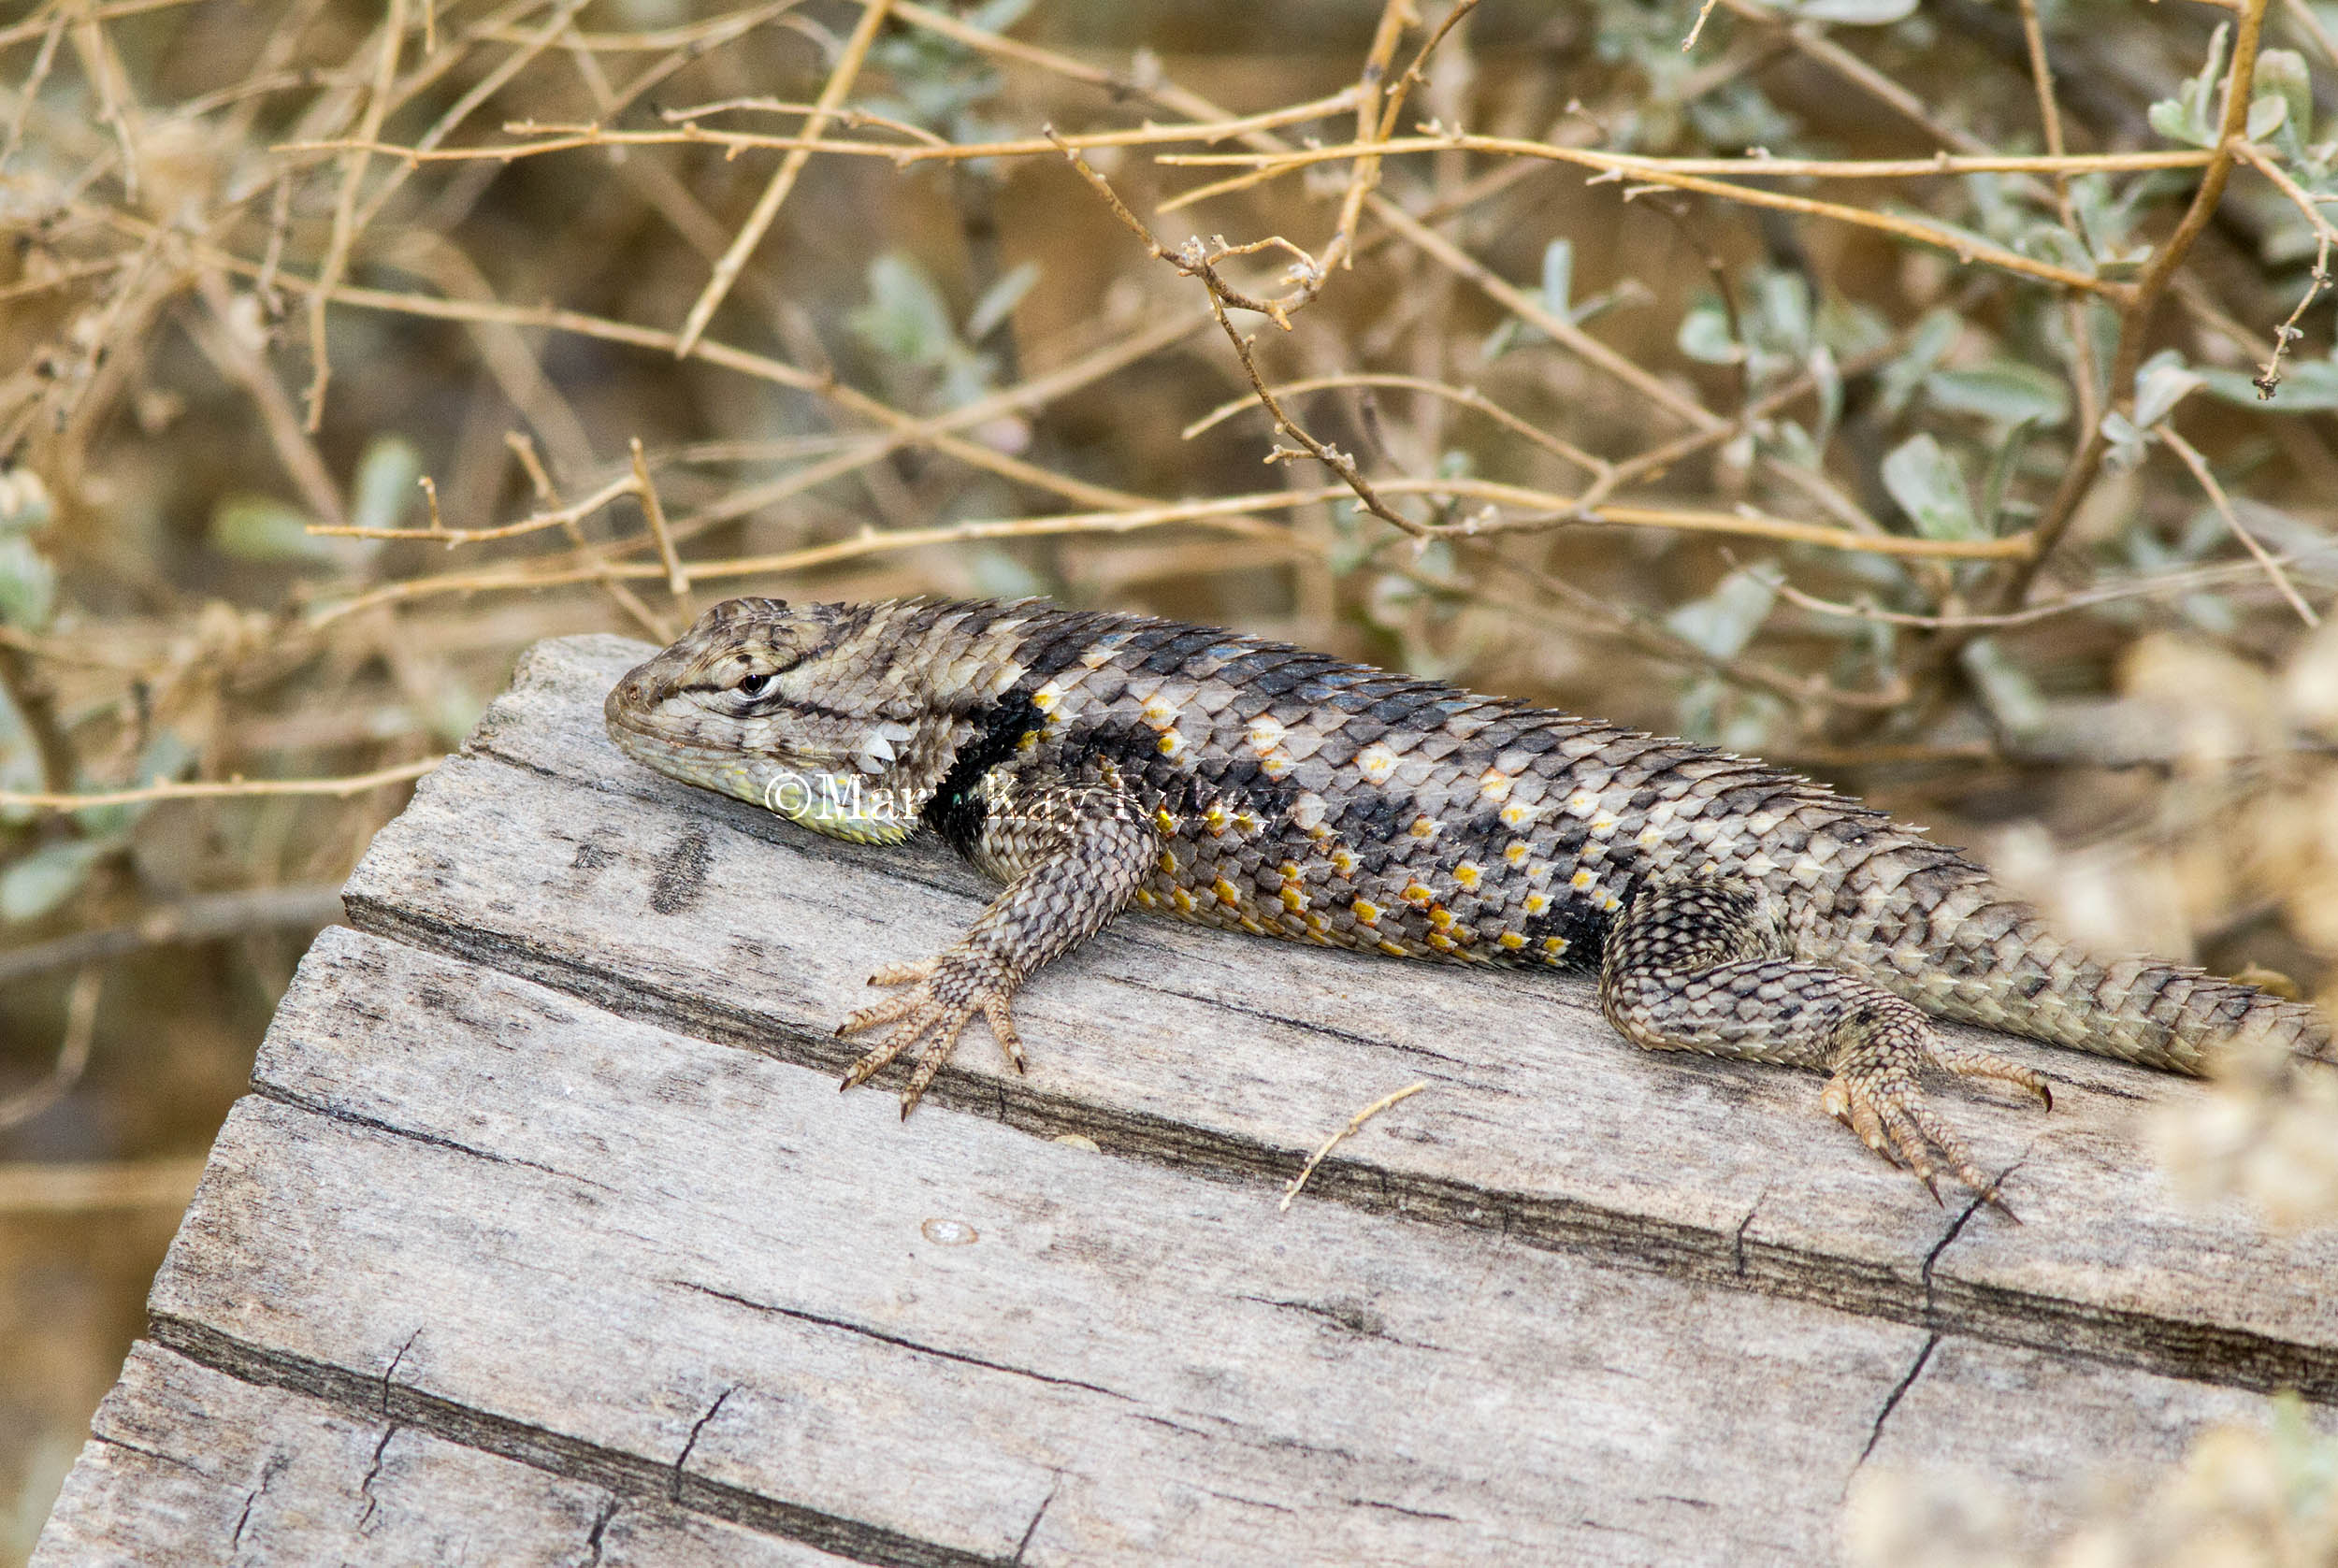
[[692, 1442], [620, 1472], [365, 1488], [297, 1101], [600, 1527], [879, 1335], [1891, 1400]]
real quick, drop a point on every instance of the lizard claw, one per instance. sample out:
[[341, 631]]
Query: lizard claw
[[1880, 1102], [943, 996]]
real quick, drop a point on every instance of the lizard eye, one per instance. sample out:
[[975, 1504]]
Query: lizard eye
[[754, 685]]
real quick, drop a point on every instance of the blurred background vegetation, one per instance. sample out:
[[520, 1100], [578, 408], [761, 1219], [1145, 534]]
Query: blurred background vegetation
[[1888, 390]]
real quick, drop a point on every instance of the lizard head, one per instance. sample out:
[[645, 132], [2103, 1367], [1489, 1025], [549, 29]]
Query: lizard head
[[783, 705]]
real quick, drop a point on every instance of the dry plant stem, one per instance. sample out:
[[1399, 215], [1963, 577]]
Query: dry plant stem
[[1339, 250], [767, 207], [694, 36], [2050, 124], [1968, 249], [569, 136], [562, 517], [70, 1189], [2268, 375], [1696, 28], [356, 783], [463, 107], [103, 70], [80, 1025], [1661, 170], [1558, 328], [1196, 260], [654, 512], [2301, 16], [625, 598], [45, 58], [1413, 76], [1230, 517], [761, 366], [851, 118], [238, 363], [393, 34], [202, 919], [1467, 396], [2166, 582], [1355, 1125], [2141, 303], [1235, 514], [2217, 497]]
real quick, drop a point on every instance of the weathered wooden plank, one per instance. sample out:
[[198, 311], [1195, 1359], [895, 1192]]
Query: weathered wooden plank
[[546, 854], [189, 1466], [497, 1217]]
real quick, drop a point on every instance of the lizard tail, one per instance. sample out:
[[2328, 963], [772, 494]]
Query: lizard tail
[[2001, 966]]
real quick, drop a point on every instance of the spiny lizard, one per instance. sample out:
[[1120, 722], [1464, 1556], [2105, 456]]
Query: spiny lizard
[[1094, 761]]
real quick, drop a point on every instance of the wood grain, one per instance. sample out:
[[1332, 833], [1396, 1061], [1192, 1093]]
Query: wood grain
[[663, 1268]]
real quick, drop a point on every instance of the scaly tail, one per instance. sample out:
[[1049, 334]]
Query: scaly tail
[[1992, 962]]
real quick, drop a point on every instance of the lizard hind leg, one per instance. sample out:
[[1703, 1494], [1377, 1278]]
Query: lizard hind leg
[[1699, 963]]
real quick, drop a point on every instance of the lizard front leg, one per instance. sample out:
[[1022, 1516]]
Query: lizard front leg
[[1072, 856], [1697, 963]]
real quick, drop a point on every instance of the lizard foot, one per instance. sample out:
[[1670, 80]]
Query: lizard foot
[[943, 996], [1874, 1092]]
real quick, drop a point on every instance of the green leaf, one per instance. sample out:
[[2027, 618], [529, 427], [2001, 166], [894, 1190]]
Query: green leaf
[[2282, 73], [23, 501], [906, 317], [20, 759], [2005, 389], [28, 583], [1934, 336], [46, 878], [1704, 335], [1855, 13], [164, 760], [997, 16], [1558, 277], [385, 486], [1725, 621], [1782, 309], [2003, 464], [2307, 387], [2173, 117], [2129, 444], [2266, 115], [2006, 690], [262, 528], [1930, 485], [2162, 383], [999, 300]]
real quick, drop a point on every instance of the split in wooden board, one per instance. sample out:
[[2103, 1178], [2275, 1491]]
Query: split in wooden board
[[556, 1271]]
